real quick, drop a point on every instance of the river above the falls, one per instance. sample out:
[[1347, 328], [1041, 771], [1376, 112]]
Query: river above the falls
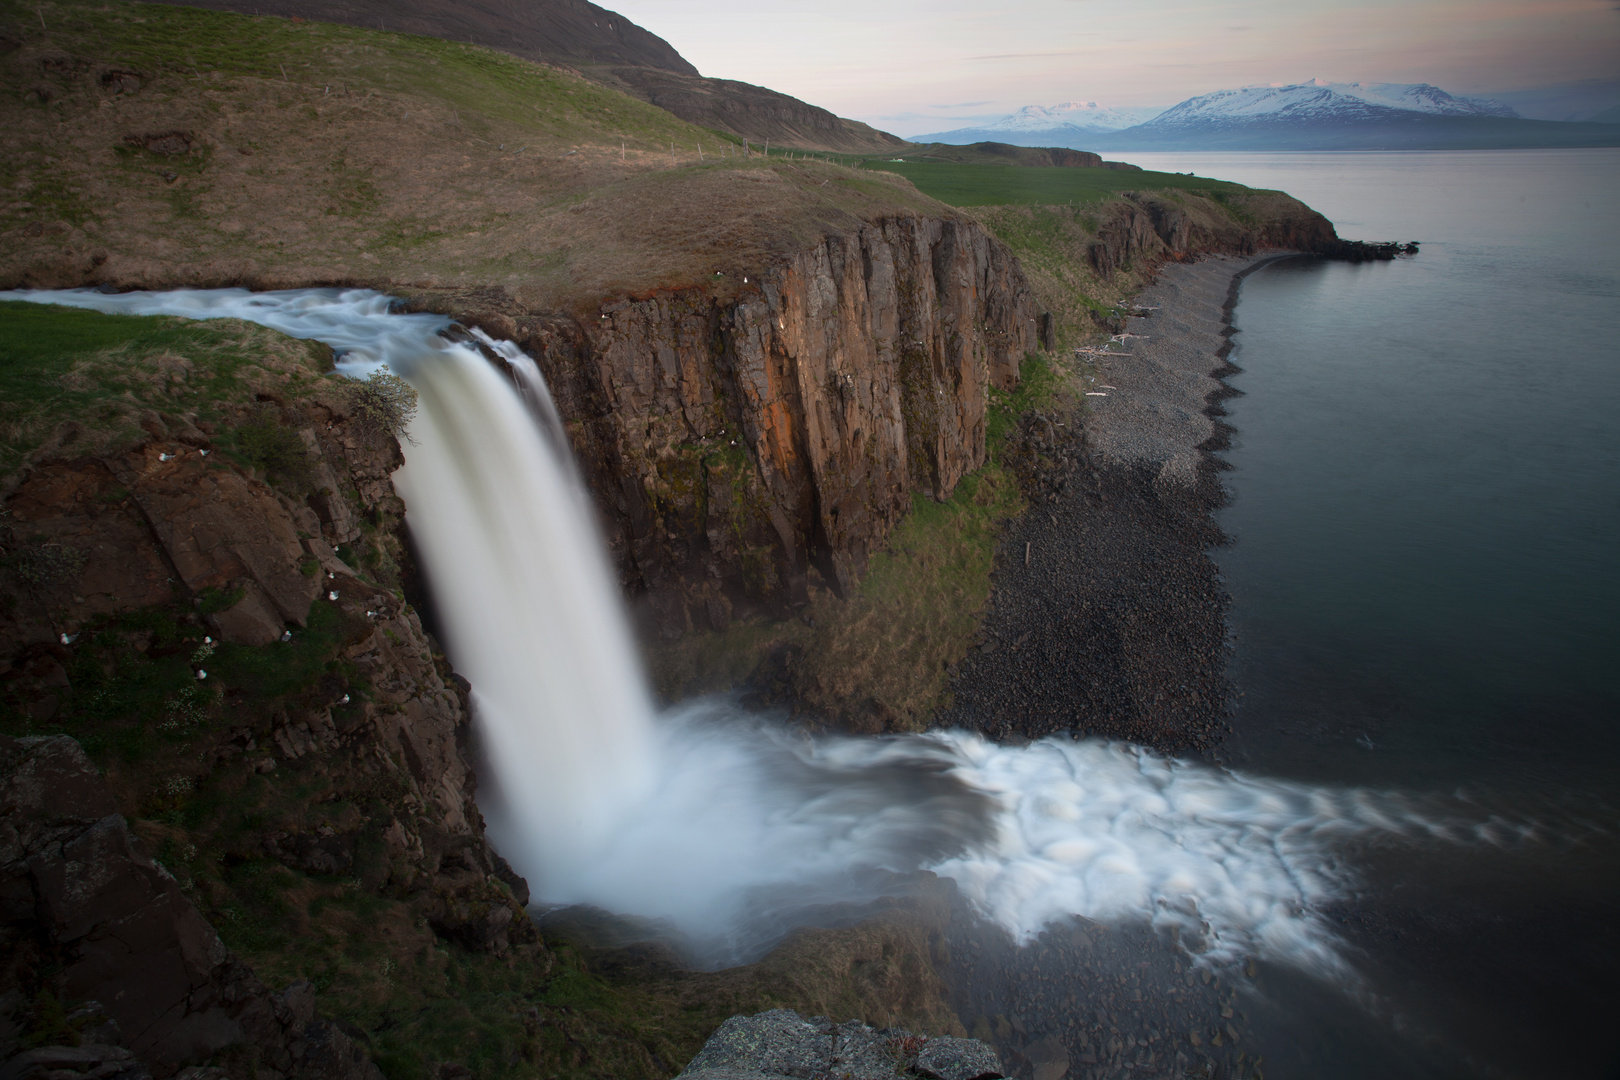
[[1424, 516]]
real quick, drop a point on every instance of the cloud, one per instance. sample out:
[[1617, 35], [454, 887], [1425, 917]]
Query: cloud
[[962, 105]]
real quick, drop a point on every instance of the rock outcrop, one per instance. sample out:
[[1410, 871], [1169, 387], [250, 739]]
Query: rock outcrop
[[1151, 227], [735, 443], [781, 1043], [206, 625], [92, 919]]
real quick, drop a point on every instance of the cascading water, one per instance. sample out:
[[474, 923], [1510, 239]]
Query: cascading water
[[707, 816]]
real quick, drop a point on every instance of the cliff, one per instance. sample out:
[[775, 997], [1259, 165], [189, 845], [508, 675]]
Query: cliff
[[736, 441], [175, 594], [281, 868]]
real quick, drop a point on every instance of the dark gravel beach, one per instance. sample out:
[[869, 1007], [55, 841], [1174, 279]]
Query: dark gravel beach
[[1107, 616]]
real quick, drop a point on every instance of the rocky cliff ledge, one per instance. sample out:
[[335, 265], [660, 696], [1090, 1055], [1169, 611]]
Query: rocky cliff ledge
[[740, 434], [199, 582]]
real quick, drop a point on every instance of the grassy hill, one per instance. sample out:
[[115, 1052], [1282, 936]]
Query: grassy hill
[[154, 145], [603, 46], [1039, 185]]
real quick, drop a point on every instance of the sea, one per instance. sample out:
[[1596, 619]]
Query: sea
[[1424, 564]]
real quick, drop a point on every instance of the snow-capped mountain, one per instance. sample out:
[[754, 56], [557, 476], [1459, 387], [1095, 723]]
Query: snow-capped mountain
[[1315, 115], [1323, 102], [1068, 123], [1320, 115], [1085, 115]]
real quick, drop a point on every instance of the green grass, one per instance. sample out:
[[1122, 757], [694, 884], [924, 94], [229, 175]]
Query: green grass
[[99, 373], [194, 43], [1012, 185]]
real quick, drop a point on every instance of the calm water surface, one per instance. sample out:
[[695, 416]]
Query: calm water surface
[[1425, 572]]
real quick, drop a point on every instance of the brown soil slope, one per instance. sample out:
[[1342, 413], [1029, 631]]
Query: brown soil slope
[[148, 145], [604, 46]]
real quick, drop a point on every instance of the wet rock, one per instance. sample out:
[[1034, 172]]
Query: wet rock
[[88, 1061], [780, 1043], [1049, 1057], [956, 1059]]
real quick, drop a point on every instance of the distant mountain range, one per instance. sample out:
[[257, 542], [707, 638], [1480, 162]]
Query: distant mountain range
[[1076, 119], [1307, 116]]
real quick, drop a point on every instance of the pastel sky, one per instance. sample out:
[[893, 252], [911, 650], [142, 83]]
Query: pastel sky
[[909, 65]]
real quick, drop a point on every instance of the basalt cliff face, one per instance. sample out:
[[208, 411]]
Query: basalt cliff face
[[741, 435], [738, 436]]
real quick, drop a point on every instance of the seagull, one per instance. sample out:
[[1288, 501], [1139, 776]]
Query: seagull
[[208, 640], [204, 453], [331, 596], [202, 674], [345, 700], [68, 639], [286, 635], [165, 457]]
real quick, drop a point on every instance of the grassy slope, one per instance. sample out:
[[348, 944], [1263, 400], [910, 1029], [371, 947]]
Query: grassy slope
[[77, 382], [324, 153], [1039, 185]]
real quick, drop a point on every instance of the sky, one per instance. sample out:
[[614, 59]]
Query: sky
[[914, 66]]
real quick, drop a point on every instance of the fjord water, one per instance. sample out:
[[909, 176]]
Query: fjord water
[[1425, 573]]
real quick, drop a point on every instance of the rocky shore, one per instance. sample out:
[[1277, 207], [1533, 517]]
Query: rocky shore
[[1107, 616]]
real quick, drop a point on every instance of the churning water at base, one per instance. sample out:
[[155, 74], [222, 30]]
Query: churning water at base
[[713, 818]]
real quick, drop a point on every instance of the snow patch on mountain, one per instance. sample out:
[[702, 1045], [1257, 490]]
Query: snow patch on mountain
[[1318, 101]]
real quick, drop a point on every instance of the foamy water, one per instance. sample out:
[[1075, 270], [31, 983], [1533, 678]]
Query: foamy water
[[715, 819]]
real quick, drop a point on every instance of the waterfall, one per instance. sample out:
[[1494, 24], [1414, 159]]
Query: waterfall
[[717, 819]]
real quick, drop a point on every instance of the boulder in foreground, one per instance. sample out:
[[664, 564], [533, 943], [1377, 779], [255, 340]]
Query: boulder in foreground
[[781, 1043]]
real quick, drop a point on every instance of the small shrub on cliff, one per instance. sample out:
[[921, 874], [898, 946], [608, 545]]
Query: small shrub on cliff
[[38, 565], [41, 565], [275, 450], [384, 404], [212, 599]]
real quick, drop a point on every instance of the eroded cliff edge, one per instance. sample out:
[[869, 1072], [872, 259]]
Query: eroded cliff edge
[[744, 434], [736, 436]]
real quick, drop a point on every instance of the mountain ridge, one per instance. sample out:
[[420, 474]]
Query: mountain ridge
[[1314, 115], [601, 45]]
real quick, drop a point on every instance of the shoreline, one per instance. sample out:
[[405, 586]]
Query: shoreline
[[1107, 614]]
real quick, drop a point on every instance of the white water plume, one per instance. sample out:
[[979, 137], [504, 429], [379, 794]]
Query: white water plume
[[707, 816]]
